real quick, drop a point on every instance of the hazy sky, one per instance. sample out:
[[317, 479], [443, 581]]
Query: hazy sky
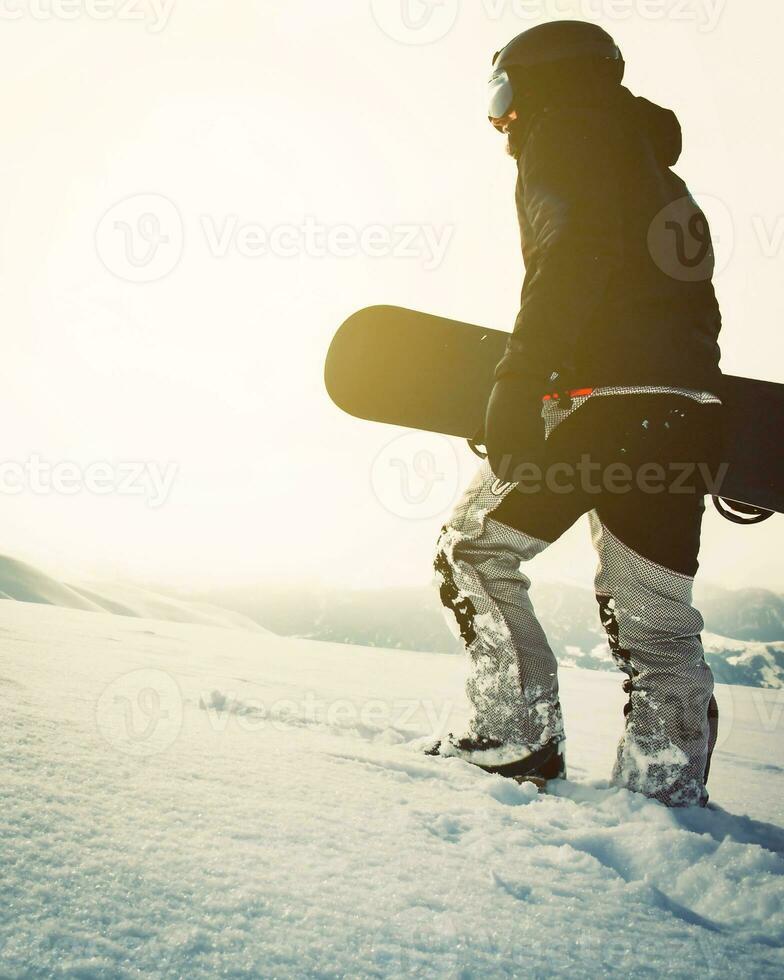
[[196, 194]]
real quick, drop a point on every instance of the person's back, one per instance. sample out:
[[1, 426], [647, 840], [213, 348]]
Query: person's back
[[612, 368], [645, 304], [618, 255]]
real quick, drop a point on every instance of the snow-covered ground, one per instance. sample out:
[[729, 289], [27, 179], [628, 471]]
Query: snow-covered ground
[[189, 801]]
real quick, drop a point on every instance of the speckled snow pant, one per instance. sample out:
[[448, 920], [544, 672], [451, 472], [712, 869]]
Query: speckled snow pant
[[647, 541]]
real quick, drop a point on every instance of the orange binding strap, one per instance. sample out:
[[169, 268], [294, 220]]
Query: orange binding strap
[[575, 393]]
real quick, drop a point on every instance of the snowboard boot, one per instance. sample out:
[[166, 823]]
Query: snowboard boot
[[538, 766]]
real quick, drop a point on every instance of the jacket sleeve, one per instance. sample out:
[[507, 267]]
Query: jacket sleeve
[[570, 213]]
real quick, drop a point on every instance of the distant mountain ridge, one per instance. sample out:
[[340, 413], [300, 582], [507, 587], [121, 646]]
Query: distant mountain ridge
[[746, 614], [744, 638]]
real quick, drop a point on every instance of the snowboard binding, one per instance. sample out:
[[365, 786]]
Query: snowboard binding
[[743, 514]]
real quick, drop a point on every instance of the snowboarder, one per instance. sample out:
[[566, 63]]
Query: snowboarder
[[611, 376]]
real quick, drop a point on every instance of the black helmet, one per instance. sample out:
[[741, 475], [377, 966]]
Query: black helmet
[[547, 44]]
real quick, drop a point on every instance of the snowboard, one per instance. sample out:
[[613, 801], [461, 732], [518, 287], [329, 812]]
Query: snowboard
[[398, 366]]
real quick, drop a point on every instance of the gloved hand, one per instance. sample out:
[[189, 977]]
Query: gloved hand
[[514, 430]]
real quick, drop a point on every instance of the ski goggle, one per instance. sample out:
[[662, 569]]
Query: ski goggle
[[501, 97]]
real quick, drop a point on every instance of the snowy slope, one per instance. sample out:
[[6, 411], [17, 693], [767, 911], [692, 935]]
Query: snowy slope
[[25, 583], [186, 801]]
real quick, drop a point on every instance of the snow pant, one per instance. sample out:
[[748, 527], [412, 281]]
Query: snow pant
[[640, 466]]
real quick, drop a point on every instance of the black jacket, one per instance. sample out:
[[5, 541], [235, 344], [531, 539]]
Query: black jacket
[[618, 255]]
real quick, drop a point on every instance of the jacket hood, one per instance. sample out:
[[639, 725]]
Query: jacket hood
[[659, 124]]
